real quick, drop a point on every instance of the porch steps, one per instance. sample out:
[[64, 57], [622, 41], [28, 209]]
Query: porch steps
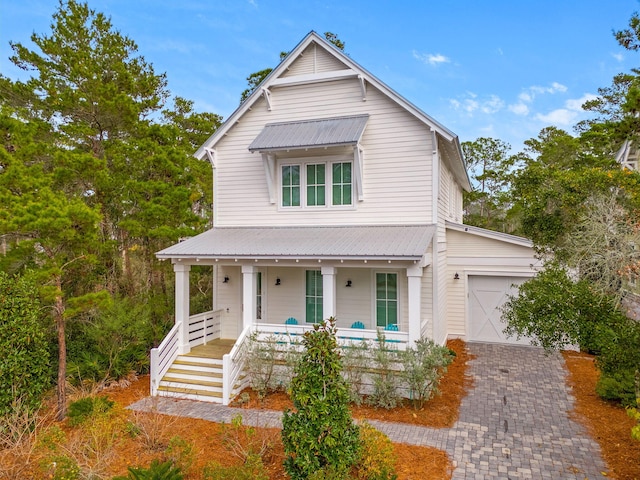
[[196, 375]]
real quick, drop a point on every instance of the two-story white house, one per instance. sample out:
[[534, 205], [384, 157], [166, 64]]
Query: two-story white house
[[334, 196]]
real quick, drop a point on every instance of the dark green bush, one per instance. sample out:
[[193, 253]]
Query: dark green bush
[[618, 386], [156, 471], [111, 344], [25, 371], [319, 433], [87, 408]]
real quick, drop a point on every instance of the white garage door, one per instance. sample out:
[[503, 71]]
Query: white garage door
[[486, 296]]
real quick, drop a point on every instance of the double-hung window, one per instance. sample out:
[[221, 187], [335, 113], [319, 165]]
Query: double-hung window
[[341, 180], [291, 185], [316, 184], [386, 299], [313, 297]]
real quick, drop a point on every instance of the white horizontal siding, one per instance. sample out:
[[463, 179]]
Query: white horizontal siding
[[314, 60], [396, 165], [228, 298], [456, 303], [461, 244]]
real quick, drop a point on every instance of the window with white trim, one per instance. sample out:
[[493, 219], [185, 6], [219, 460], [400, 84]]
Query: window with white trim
[[305, 184], [386, 299], [313, 296]]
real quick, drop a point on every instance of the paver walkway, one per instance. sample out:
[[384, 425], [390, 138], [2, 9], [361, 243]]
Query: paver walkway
[[513, 424]]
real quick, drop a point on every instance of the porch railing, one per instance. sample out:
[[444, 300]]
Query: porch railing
[[204, 327], [233, 365], [163, 356]]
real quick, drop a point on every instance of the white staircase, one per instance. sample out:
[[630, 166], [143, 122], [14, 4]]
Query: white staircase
[[193, 377]]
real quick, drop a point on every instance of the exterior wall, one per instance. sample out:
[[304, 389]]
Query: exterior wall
[[228, 298], [469, 254], [355, 303], [314, 60], [426, 327], [396, 165]]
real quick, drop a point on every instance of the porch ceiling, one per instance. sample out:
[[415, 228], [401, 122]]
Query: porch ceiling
[[385, 242]]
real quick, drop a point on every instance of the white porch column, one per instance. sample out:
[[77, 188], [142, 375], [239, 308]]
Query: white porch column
[[328, 291], [182, 305], [414, 280], [248, 295]]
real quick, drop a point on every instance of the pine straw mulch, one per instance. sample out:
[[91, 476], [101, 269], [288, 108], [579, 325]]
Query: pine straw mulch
[[413, 462], [606, 421]]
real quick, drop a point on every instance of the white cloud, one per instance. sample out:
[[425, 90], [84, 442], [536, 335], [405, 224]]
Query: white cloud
[[618, 56], [430, 58], [493, 105], [554, 88], [470, 103], [560, 117], [576, 104], [568, 115], [519, 108], [525, 97]]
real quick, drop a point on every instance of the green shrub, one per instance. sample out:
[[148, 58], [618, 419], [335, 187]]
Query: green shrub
[[355, 360], [112, 343], [181, 453], [251, 469], [156, 471], [635, 414], [320, 432], [25, 370], [423, 366], [63, 467], [88, 407], [385, 387], [377, 459], [618, 386]]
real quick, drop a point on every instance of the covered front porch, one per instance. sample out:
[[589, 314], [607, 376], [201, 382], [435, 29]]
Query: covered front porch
[[285, 293]]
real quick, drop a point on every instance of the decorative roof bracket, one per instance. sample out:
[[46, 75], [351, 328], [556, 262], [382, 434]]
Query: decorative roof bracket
[[267, 96], [363, 87]]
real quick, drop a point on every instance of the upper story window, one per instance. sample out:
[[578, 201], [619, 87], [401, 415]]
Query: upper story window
[[342, 183], [305, 184], [291, 185]]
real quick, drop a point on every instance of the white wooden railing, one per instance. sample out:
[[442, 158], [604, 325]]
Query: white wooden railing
[[204, 327], [163, 356], [233, 364], [289, 336]]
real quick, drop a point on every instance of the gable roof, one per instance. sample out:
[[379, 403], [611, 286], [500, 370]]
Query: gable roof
[[353, 70], [379, 242], [327, 132]]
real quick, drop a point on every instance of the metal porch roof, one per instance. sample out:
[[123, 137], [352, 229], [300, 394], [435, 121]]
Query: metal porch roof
[[310, 133], [398, 242]]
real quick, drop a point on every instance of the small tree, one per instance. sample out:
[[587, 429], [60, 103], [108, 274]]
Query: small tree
[[319, 434]]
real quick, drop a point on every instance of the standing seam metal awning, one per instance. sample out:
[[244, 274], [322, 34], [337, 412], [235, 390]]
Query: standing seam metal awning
[[381, 242], [324, 132]]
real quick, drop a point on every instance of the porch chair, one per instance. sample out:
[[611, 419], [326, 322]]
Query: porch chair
[[291, 321], [392, 327], [357, 325]]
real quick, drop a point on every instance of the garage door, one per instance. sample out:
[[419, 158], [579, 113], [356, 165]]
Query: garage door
[[486, 295]]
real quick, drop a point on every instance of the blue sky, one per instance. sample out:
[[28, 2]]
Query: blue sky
[[501, 68]]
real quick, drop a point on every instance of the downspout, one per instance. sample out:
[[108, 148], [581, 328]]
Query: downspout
[[435, 264]]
